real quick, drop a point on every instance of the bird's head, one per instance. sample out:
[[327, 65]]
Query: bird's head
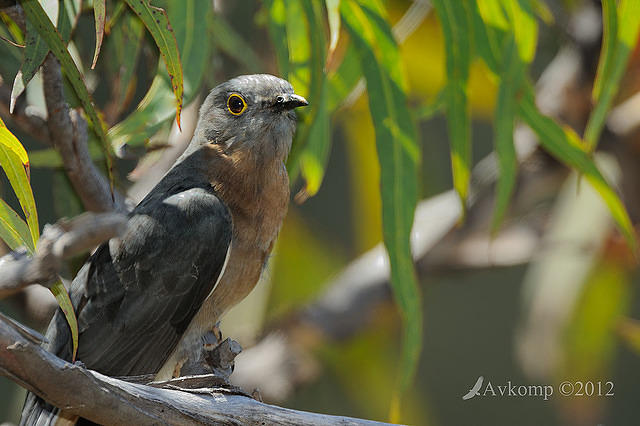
[[250, 112]]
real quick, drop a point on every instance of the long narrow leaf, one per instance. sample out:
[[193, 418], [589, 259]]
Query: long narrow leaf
[[100, 14], [36, 48], [61, 295], [398, 154], [524, 27], [510, 82], [456, 26], [609, 38], [333, 13], [566, 146], [157, 22], [14, 167], [613, 62], [37, 16], [13, 230], [278, 33], [312, 143], [156, 108]]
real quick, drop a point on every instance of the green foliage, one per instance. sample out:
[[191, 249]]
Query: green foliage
[[13, 229], [621, 27], [157, 22], [454, 18], [155, 110], [398, 154], [329, 51]]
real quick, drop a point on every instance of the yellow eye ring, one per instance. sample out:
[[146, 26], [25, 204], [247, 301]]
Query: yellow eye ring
[[236, 104]]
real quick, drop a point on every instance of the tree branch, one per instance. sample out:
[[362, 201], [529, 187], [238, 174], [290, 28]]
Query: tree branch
[[107, 400], [68, 131], [64, 239]]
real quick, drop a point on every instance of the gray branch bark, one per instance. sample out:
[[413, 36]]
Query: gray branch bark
[[68, 132], [105, 400]]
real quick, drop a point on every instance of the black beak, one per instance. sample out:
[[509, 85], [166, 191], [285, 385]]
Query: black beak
[[291, 101]]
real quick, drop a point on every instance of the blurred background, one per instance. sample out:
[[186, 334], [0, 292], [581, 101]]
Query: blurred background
[[551, 297]]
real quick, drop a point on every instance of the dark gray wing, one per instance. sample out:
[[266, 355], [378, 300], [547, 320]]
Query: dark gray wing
[[141, 292]]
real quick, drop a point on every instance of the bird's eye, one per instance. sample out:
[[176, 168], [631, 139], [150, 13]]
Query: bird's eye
[[236, 104]]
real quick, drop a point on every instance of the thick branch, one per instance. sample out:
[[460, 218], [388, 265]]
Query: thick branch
[[64, 239], [68, 131], [106, 400]]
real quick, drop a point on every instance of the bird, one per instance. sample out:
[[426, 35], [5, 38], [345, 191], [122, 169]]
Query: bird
[[193, 247]]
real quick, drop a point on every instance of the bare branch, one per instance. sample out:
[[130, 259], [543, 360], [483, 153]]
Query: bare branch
[[23, 117], [106, 400], [68, 131], [64, 239]]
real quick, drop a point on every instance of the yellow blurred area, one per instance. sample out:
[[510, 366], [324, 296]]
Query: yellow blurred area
[[298, 274], [424, 61]]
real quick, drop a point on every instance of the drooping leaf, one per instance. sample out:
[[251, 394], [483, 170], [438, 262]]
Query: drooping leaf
[[524, 27], [13, 230], [506, 106], [10, 142], [64, 302], [456, 27], [14, 166], [566, 146], [156, 108], [36, 15], [604, 302], [312, 144], [278, 32], [100, 14], [36, 47], [314, 156], [620, 36], [157, 22], [333, 13], [398, 154]]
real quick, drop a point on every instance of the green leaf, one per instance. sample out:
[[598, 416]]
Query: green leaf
[[37, 16], [157, 22], [10, 142], [36, 48], [155, 110], [510, 82], [333, 13], [278, 32], [14, 166], [605, 300], [123, 47], [398, 154], [313, 159], [619, 39], [456, 27], [524, 27], [13, 230], [64, 302], [100, 14], [565, 145], [310, 149]]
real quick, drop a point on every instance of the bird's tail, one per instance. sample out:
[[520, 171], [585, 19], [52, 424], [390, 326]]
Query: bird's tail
[[38, 412]]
